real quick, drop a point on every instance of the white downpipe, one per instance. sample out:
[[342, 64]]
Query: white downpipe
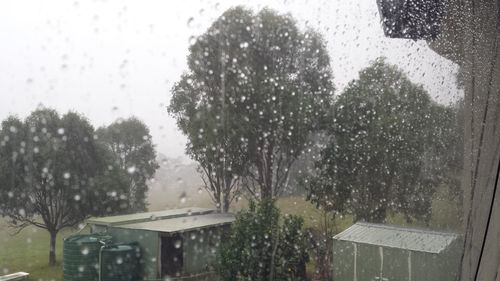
[[409, 265], [100, 261], [355, 261], [381, 253]]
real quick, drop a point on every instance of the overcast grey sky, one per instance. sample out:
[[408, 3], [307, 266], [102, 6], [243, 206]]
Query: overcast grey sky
[[116, 58]]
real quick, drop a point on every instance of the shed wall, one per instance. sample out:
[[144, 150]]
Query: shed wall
[[343, 261], [395, 264], [200, 249]]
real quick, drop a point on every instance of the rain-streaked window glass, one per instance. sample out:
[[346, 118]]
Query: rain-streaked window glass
[[244, 140]]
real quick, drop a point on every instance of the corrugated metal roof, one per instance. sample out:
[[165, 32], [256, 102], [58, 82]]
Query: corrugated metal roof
[[398, 237], [148, 216], [185, 223]]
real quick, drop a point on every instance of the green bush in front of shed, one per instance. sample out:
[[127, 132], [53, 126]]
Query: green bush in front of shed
[[263, 245]]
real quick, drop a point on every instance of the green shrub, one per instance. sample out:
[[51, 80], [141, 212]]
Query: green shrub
[[263, 245]]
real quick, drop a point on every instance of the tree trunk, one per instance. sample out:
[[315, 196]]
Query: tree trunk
[[225, 204], [52, 249], [266, 192]]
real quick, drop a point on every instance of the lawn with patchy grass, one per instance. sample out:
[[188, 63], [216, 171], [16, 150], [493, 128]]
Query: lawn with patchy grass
[[28, 250]]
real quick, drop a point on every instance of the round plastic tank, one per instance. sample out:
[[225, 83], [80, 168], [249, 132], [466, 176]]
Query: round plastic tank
[[120, 262], [81, 256]]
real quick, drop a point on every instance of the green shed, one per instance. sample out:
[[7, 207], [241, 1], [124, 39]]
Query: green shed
[[179, 243], [369, 252]]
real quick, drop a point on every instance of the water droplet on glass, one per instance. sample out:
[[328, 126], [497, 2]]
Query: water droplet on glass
[[190, 22], [192, 40], [85, 251], [177, 244], [183, 197], [131, 169]]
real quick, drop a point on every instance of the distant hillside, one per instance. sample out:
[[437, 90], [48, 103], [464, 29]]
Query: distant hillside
[[177, 184]]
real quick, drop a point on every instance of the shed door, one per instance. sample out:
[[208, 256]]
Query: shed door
[[171, 255]]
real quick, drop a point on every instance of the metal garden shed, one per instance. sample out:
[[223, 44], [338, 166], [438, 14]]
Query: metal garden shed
[[179, 243], [369, 252]]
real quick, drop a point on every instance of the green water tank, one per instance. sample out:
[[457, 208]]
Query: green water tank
[[120, 262], [81, 256]]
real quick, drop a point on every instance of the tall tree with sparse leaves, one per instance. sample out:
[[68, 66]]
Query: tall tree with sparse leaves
[[51, 170], [134, 154], [257, 87]]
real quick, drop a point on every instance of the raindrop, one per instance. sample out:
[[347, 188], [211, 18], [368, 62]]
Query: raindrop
[[192, 40], [177, 244], [77, 197], [183, 197], [66, 175], [60, 131], [190, 22], [85, 251], [131, 169]]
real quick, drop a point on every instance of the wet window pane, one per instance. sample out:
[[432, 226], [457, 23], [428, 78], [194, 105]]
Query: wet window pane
[[246, 140]]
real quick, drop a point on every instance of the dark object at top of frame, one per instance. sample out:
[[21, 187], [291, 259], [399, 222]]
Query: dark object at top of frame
[[411, 19]]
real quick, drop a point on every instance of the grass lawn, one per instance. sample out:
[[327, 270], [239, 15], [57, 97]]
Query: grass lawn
[[28, 251]]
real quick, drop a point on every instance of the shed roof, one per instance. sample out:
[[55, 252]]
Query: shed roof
[[419, 240], [186, 223], [167, 221], [148, 216]]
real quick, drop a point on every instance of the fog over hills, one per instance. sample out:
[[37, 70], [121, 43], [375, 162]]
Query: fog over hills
[[176, 184]]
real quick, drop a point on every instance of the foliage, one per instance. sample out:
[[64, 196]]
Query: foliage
[[257, 87], [133, 152], [453, 155], [261, 248], [50, 169], [387, 149]]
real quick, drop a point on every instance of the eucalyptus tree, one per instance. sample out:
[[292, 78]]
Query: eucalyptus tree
[[133, 152], [386, 148], [256, 88], [51, 170]]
